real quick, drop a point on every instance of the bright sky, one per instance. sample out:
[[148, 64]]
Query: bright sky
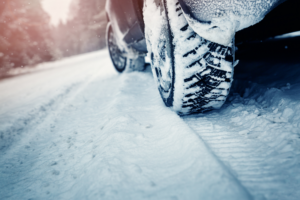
[[57, 9]]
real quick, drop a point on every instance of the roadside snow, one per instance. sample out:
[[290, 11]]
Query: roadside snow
[[50, 65]]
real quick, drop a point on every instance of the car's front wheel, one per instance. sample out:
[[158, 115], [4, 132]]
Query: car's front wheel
[[193, 74]]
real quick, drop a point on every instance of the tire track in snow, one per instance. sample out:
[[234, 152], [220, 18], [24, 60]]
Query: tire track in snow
[[31, 119], [37, 115]]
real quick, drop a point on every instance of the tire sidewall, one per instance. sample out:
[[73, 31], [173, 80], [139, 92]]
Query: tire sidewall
[[108, 32]]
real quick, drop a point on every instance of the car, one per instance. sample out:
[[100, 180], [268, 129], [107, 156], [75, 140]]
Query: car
[[191, 43]]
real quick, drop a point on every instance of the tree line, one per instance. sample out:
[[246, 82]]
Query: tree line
[[27, 37]]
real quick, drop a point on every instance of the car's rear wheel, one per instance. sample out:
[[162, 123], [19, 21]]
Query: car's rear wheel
[[193, 74], [119, 57]]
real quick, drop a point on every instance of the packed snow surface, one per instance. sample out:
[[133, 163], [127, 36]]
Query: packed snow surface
[[79, 130]]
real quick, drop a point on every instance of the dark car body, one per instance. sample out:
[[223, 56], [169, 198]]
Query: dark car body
[[126, 17]]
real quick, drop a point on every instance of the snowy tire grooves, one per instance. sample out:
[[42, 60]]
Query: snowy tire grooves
[[201, 72], [203, 69]]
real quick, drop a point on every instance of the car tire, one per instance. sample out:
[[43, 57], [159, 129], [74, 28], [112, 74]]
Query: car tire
[[193, 75], [119, 58]]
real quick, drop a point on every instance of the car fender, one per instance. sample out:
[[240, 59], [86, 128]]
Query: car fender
[[218, 21]]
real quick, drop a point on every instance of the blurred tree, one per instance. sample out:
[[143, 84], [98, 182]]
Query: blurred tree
[[25, 37], [85, 30]]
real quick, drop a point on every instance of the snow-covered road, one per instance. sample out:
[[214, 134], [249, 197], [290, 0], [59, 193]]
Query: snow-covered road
[[75, 129]]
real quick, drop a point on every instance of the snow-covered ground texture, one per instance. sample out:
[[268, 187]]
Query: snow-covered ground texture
[[79, 130]]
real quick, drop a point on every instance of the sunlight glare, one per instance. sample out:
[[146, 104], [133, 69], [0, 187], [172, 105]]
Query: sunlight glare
[[57, 9]]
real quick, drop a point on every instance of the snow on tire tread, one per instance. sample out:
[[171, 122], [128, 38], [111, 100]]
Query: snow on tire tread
[[203, 69]]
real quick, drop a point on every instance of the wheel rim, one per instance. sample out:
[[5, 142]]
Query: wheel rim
[[164, 71], [118, 60], [163, 63]]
